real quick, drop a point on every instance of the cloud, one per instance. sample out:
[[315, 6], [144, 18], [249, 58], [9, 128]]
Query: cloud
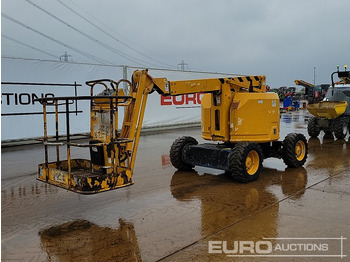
[[283, 39]]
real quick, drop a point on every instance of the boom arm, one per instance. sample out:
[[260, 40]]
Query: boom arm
[[303, 83], [173, 88]]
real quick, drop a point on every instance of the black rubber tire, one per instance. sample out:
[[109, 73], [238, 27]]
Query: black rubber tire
[[289, 148], [237, 162], [340, 127], [176, 152], [312, 127]]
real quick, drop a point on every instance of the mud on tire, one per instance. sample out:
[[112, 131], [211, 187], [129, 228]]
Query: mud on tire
[[295, 150], [312, 128], [245, 162], [176, 152]]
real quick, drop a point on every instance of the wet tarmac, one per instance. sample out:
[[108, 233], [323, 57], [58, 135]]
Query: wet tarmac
[[175, 216]]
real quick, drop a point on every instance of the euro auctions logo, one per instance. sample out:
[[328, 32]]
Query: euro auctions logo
[[240, 247], [280, 247]]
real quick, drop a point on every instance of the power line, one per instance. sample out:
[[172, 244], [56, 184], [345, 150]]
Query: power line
[[112, 49], [113, 30], [57, 41], [111, 36], [26, 45]]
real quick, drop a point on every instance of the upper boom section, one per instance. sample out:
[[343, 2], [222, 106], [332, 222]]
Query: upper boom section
[[173, 88]]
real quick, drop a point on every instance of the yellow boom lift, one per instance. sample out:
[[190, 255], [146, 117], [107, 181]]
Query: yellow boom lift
[[237, 113]]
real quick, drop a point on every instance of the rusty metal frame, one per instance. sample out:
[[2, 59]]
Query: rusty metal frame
[[56, 140]]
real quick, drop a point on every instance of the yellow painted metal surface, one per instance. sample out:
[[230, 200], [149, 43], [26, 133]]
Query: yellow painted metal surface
[[328, 109], [237, 84], [300, 150], [206, 104], [252, 162], [83, 180], [241, 117], [254, 117], [217, 116], [303, 83]]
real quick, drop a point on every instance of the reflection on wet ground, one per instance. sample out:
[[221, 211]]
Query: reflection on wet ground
[[81, 240], [172, 215], [224, 203]]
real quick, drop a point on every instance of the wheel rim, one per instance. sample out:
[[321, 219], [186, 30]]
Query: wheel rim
[[252, 162], [300, 150]]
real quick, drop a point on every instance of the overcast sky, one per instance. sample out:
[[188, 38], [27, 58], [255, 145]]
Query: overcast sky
[[283, 40]]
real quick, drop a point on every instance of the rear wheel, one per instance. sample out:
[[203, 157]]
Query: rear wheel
[[340, 127], [312, 127], [176, 152], [245, 162], [295, 150]]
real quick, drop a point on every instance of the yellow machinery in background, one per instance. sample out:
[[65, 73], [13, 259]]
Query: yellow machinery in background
[[313, 93], [237, 113], [332, 115]]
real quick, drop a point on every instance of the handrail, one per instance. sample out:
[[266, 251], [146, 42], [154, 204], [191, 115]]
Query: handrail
[[57, 98]]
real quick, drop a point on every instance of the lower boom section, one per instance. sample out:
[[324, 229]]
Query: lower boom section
[[82, 177]]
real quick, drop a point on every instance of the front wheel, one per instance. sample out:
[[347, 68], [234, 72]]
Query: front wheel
[[245, 162], [295, 150], [312, 127], [176, 152], [340, 127]]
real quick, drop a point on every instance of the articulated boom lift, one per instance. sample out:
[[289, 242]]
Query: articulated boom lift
[[236, 112]]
